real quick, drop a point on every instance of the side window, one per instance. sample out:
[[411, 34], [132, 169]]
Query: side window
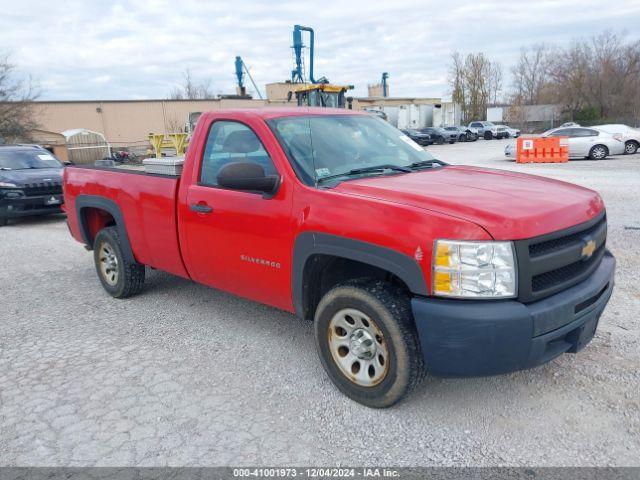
[[230, 142], [591, 133], [565, 132]]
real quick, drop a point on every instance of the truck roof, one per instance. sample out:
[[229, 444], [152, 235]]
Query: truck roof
[[277, 112]]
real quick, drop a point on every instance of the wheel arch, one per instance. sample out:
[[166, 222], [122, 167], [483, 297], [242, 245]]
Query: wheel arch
[[321, 260], [93, 213], [632, 141]]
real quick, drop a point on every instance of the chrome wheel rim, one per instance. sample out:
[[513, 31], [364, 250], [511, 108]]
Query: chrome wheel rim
[[358, 347], [630, 148], [108, 264], [599, 152]]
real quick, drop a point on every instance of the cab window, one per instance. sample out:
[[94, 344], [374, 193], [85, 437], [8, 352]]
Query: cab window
[[230, 142]]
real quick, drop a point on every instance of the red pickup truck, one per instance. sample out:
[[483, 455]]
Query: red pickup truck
[[405, 264]]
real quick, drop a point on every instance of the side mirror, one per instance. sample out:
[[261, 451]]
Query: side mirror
[[68, 162], [247, 176]]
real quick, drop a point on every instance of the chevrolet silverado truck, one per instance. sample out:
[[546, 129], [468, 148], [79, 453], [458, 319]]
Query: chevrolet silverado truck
[[405, 264]]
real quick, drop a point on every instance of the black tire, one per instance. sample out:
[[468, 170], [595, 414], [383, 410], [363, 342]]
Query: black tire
[[598, 152], [462, 138], [630, 147], [390, 309], [440, 140], [488, 136], [507, 135], [129, 276]]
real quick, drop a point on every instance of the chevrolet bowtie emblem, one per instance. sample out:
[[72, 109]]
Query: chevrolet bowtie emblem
[[588, 249]]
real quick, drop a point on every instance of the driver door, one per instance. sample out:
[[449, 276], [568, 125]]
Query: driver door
[[238, 241]]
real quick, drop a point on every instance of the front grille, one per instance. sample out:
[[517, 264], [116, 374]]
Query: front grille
[[541, 248], [38, 189], [561, 275], [554, 262]]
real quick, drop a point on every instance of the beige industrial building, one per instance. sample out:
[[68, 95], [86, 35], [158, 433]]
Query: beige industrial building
[[128, 122]]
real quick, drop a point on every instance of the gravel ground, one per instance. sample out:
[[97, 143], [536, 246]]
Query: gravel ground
[[187, 375]]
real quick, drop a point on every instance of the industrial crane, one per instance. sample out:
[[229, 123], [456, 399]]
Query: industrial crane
[[315, 93]]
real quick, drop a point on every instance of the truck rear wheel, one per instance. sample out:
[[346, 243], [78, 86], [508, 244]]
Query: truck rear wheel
[[367, 342], [119, 277]]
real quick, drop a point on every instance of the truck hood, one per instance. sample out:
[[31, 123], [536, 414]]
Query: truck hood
[[508, 205], [32, 175]]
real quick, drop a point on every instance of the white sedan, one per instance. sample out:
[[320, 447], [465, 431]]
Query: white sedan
[[584, 142], [511, 132], [630, 136]]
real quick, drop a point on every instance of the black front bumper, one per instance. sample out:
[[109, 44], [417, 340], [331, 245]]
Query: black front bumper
[[28, 206], [472, 338]]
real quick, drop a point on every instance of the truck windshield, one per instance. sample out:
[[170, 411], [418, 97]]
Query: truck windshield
[[25, 159], [323, 146]]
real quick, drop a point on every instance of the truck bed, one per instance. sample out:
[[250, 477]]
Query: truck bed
[[147, 201]]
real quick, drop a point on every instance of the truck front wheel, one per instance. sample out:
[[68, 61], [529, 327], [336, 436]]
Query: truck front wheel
[[119, 277], [367, 342]]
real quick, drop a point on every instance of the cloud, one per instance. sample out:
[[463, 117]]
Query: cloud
[[140, 49]]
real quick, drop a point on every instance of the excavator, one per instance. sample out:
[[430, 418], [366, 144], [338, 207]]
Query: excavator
[[314, 93]]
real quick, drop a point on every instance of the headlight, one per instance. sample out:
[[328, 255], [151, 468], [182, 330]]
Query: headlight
[[474, 269], [7, 185]]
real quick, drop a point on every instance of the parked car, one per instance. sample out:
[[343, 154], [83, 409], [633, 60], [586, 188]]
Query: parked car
[[511, 132], [583, 143], [30, 182], [488, 130], [420, 138], [630, 136], [472, 133], [461, 134], [440, 135], [403, 263]]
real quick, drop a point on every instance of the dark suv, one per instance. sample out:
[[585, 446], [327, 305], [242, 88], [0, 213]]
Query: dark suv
[[30, 182], [440, 135]]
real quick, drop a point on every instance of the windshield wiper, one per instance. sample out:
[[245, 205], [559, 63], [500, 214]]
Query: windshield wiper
[[376, 168], [428, 163], [372, 168]]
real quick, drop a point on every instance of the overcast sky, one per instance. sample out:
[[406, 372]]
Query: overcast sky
[[140, 49]]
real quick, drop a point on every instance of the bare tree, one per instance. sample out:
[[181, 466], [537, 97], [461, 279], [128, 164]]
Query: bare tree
[[598, 78], [495, 82], [457, 81], [17, 94], [475, 81], [190, 90], [531, 75]]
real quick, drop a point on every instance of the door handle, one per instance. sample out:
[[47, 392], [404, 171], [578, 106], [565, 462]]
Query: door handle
[[200, 208]]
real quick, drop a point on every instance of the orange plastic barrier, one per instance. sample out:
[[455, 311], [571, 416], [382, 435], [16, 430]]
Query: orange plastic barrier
[[543, 150]]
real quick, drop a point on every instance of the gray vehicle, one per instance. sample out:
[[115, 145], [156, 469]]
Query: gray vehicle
[[463, 135], [630, 136], [488, 130], [583, 143]]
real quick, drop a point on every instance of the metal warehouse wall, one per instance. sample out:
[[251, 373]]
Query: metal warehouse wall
[[128, 122]]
